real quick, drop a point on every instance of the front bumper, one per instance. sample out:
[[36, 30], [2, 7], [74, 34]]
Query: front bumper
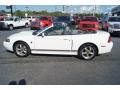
[[114, 31], [8, 46]]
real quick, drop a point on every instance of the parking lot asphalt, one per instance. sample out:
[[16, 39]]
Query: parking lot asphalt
[[58, 69]]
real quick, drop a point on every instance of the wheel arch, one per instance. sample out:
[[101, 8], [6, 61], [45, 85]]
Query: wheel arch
[[90, 44], [26, 23], [11, 25], [18, 42]]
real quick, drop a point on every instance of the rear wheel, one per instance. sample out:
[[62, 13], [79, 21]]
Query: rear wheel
[[87, 52], [26, 25], [21, 49]]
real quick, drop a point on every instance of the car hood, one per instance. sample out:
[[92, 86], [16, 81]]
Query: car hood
[[26, 32], [88, 22], [22, 34]]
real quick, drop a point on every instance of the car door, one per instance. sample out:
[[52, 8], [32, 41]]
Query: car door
[[52, 41], [21, 22], [16, 22]]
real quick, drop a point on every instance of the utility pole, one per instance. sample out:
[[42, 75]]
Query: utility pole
[[94, 10], [63, 8], [11, 10]]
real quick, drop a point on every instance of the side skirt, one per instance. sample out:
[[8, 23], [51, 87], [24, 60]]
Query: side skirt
[[60, 52]]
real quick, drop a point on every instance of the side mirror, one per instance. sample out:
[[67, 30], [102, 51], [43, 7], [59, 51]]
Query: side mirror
[[43, 34]]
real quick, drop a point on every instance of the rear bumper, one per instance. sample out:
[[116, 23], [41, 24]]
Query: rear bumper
[[106, 49], [83, 28]]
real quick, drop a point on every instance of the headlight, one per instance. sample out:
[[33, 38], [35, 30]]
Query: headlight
[[7, 40]]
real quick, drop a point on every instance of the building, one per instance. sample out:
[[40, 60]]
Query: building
[[116, 11]]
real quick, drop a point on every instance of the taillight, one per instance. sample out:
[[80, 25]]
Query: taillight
[[109, 39]]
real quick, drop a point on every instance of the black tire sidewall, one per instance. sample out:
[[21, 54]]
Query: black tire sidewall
[[83, 46], [28, 49]]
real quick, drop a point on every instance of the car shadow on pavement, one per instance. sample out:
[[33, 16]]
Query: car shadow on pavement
[[5, 30], [20, 82], [55, 55], [52, 55], [9, 51]]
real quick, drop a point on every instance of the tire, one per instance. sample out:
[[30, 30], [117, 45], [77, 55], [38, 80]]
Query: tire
[[11, 27], [21, 49], [26, 25], [87, 51]]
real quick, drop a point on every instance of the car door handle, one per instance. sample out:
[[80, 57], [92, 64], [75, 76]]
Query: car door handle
[[65, 39]]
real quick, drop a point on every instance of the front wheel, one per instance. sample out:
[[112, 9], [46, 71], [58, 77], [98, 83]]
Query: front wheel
[[11, 27], [87, 52], [21, 49]]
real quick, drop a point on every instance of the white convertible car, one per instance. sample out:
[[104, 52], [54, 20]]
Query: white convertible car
[[59, 40]]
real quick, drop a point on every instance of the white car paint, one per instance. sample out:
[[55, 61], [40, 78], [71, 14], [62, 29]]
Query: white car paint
[[18, 23], [61, 44], [112, 28]]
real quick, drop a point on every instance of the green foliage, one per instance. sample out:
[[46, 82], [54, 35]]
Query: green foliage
[[19, 13], [40, 13], [90, 14], [2, 11]]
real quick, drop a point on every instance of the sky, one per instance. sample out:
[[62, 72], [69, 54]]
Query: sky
[[52, 8]]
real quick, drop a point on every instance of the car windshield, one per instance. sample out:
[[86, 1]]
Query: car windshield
[[63, 18], [114, 19], [89, 19], [38, 31], [42, 18]]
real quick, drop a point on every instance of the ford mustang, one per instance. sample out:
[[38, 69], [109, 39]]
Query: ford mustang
[[60, 40]]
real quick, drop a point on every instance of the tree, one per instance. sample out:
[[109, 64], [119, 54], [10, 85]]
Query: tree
[[20, 13], [2, 11]]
